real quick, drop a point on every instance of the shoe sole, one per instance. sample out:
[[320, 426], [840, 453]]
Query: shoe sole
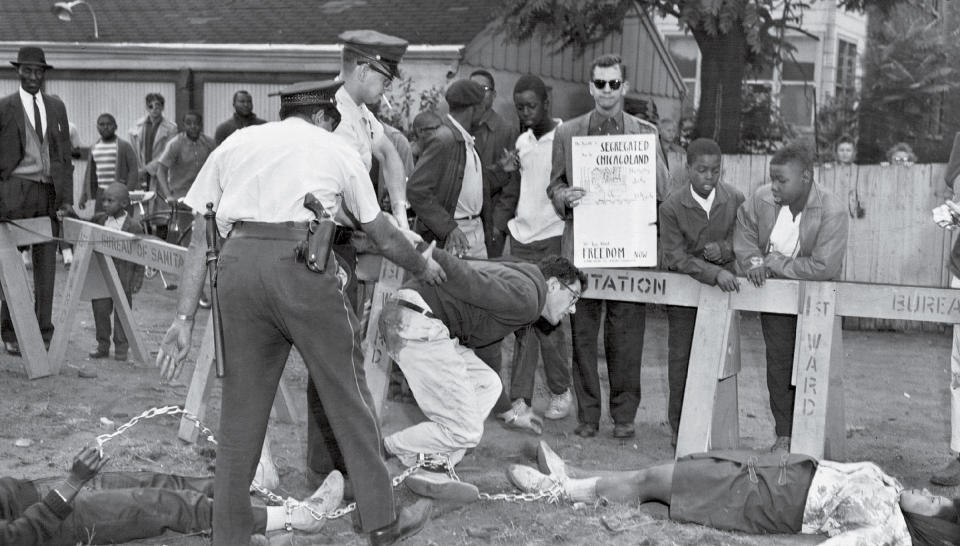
[[945, 482], [459, 492]]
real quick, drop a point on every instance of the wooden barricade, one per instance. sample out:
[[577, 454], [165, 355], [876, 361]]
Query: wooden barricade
[[708, 418], [93, 275], [15, 289]]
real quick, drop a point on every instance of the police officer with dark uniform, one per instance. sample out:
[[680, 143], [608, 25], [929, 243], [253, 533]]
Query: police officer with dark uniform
[[258, 182]]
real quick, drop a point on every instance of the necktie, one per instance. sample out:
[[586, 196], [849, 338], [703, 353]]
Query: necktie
[[37, 123]]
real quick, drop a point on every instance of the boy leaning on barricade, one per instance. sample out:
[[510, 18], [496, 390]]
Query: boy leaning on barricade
[[696, 238], [114, 200], [791, 228]]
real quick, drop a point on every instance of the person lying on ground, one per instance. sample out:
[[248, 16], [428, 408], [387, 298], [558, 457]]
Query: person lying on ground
[[123, 506], [759, 493]]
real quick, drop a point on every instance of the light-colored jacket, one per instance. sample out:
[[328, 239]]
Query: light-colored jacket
[[165, 132], [823, 235]]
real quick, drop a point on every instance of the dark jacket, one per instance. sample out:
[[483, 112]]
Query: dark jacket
[[685, 230], [434, 186], [483, 301], [823, 235], [13, 125], [561, 173], [128, 166], [494, 135], [235, 122], [25, 520], [130, 274]]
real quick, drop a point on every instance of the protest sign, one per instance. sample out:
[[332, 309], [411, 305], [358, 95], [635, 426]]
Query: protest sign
[[615, 223]]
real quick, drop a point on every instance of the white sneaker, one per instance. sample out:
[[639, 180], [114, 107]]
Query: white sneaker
[[522, 417], [559, 405], [324, 500], [550, 463], [530, 480]]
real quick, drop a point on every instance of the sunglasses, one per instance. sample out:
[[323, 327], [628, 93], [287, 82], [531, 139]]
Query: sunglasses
[[614, 84]]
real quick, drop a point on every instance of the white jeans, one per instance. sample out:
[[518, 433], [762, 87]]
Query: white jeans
[[453, 387], [473, 229], [955, 381]]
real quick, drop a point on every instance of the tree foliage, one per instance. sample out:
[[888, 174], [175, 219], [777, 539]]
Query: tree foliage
[[734, 37], [910, 68]]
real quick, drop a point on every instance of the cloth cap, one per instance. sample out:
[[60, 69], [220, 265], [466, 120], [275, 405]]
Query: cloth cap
[[308, 93], [381, 50], [464, 93], [31, 55]]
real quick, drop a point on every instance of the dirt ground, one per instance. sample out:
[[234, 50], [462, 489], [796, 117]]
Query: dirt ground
[[897, 415]]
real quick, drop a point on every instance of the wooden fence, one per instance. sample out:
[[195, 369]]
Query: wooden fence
[[894, 241]]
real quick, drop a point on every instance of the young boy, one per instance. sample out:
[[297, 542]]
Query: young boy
[[696, 236], [115, 199], [112, 159], [791, 228]]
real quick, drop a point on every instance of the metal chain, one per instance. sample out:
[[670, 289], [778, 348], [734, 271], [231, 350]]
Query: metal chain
[[150, 414], [553, 494]]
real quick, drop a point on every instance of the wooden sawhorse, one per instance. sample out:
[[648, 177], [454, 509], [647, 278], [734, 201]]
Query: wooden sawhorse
[[15, 290]]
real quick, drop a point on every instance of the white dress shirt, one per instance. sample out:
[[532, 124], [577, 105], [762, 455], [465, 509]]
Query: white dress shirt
[[27, 100], [471, 192], [536, 218]]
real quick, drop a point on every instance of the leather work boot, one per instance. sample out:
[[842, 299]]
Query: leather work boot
[[435, 485]]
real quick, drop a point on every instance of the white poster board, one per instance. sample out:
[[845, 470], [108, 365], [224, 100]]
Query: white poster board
[[615, 223]]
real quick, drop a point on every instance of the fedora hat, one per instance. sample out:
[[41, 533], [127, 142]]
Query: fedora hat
[[30, 55]]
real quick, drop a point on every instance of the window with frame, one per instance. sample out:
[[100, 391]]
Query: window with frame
[[846, 68]]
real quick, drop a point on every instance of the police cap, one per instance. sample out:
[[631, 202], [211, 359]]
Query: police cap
[[382, 51], [309, 93]]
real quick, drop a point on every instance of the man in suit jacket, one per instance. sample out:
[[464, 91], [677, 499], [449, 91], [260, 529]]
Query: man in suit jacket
[[625, 321], [36, 175]]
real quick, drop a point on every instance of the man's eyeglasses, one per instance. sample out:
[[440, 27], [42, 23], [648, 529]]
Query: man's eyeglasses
[[575, 295], [614, 84]]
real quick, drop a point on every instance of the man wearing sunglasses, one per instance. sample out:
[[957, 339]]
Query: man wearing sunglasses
[[625, 321]]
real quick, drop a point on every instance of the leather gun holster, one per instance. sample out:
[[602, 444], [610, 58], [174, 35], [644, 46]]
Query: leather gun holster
[[315, 250]]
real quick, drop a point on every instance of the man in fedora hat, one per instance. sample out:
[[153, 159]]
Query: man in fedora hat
[[36, 175]]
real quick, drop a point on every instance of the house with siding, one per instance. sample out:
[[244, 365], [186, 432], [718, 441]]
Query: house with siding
[[197, 54]]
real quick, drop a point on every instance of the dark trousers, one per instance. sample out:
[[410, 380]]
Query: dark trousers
[[623, 330], [126, 506], [102, 309], [779, 337], [680, 322], [542, 339], [323, 453], [269, 302], [21, 198]]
